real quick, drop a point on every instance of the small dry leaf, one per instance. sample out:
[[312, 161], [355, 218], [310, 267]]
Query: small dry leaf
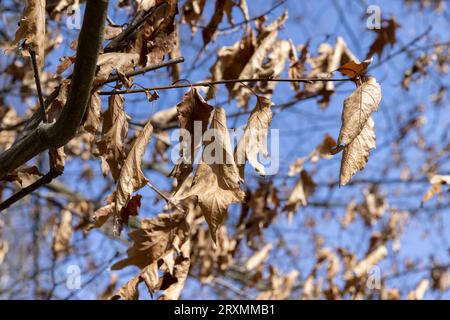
[[258, 258], [254, 140], [114, 132], [93, 114], [192, 111], [358, 107], [356, 154], [354, 69], [304, 187], [386, 35], [131, 177], [219, 10], [123, 63], [62, 234], [32, 29], [155, 239], [363, 267], [420, 291], [4, 247], [192, 11], [436, 181]]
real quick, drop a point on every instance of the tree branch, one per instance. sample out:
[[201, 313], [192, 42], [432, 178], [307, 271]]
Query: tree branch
[[59, 133], [46, 179], [211, 83]]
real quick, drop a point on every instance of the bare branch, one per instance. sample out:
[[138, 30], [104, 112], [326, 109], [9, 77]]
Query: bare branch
[[59, 133]]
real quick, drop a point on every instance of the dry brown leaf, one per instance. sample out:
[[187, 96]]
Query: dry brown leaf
[[93, 113], [358, 107], [297, 65], [129, 290], [354, 69], [157, 36], [8, 117], [4, 247], [264, 44], [173, 282], [303, 188], [131, 177], [231, 61], [386, 35], [100, 216], [62, 234], [192, 12], [216, 184], [436, 181], [192, 110], [254, 140], [111, 32], [114, 132], [357, 136], [32, 29], [420, 291], [362, 267], [272, 68], [122, 62], [156, 238], [219, 10], [258, 258]]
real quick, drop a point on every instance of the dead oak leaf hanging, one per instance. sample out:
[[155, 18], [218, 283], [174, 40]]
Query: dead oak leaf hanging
[[216, 181]]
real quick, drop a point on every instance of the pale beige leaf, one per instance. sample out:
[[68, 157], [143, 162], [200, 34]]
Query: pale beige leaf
[[254, 140], [4, 247], [258, 258], [192, 11], [363, 267], [436, 181], [420, 291], [62, 234], [358, 108], [356, 153]]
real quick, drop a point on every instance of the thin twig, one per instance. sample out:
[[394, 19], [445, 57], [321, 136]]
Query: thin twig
[[165, 197], [33, 122], [211, 83], [38, 84], [144, 70], [46, 179]]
